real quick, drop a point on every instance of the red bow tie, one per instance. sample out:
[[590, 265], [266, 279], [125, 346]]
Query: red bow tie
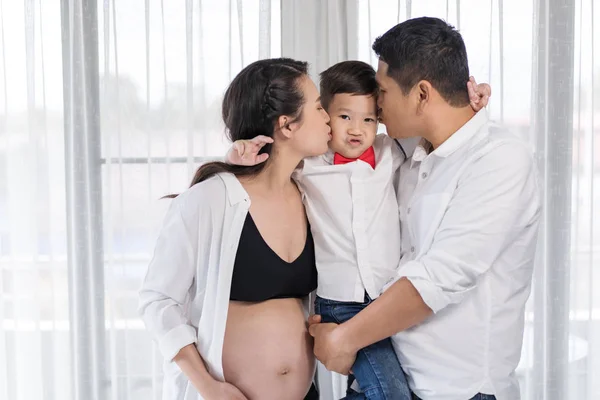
[[368, 156]]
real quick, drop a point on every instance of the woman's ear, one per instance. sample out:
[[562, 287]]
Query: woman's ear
[[286, 126]]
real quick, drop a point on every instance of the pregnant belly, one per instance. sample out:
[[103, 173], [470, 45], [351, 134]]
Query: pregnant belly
[[268, 353]]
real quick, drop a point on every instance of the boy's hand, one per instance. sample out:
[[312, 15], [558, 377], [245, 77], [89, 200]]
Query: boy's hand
[[245, 152], [479, 95]]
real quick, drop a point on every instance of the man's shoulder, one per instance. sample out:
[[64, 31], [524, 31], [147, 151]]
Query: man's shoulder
[[495, 138], [498, 147]]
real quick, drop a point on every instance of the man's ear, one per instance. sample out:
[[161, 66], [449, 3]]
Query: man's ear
[[423, 92], [286, 126]]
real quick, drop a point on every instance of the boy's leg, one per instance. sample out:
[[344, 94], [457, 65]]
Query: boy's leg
[[379, 374], [325, 308], [377, 369]]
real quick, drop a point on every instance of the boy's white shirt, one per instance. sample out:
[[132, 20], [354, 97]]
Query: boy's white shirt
[[353, 215]]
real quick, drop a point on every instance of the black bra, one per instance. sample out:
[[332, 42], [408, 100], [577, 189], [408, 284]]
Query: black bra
[[259, 274]]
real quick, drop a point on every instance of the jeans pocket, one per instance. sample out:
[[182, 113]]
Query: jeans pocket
[[325, 309], [343, 312]]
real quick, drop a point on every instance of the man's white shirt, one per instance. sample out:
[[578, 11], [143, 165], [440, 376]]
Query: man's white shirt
[[469, 214]]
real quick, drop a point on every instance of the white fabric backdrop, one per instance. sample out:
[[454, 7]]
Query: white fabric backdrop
[[69, 329], [83, 163]]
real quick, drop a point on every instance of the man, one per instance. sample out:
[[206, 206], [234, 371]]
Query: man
[[469, 214]]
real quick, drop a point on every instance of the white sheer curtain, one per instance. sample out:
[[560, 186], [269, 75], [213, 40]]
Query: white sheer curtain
[[105, 106], [108, 105], [541, 58]]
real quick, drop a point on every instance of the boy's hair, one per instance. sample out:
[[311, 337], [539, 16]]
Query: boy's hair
[[426, 49], [352, 77]]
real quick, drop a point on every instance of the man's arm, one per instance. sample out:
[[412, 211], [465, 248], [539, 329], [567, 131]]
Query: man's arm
[[399, 308], [495, 200]]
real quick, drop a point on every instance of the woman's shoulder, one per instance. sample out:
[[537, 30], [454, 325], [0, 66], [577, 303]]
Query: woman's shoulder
[[213, 193]]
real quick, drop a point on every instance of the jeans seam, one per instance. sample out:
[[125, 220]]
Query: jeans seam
[[328, 308], [334, 314], [375, 370]]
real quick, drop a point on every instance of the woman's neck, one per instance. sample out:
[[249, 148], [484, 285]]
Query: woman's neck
[[276, 177]]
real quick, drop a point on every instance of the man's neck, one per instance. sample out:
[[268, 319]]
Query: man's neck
[[447, 121]]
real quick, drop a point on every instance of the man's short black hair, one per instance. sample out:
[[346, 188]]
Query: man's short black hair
[[352, 77], [426, 49]]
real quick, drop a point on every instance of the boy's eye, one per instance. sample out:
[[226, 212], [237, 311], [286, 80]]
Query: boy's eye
[[345, 117], [369, 120]]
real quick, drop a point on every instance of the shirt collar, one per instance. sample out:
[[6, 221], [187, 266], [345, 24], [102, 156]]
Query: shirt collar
[[457, 140], [235, 191], [328, 157]]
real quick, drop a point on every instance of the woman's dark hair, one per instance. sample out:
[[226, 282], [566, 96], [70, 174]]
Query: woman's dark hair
[[352, 77], [261, 93]]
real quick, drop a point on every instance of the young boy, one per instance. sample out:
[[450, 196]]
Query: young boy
[[351, 205]]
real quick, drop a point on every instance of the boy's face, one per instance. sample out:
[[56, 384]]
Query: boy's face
[[353, 123]]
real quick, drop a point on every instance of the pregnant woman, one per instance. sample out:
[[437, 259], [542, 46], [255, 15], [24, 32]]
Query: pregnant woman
[[226, 292]]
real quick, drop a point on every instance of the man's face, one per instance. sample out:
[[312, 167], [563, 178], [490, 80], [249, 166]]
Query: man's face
[[397, 111]]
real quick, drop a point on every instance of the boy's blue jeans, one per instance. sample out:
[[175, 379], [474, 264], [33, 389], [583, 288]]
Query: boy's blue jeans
[[376, 369], [479, 396]]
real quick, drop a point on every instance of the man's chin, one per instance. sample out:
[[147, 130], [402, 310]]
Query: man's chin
[[400, 135], [393, 133], [396, 135]]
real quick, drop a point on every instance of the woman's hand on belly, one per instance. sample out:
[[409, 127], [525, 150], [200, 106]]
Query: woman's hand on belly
[[224, 391]]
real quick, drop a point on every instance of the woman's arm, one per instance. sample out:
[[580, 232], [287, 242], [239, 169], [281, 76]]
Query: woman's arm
[[191, 364], [165, 295]]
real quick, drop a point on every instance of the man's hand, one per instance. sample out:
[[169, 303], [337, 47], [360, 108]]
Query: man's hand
[[330, 347], [245, 152], [479, 95]]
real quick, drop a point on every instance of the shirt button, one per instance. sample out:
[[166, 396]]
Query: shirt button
[[424, 175], [412, 249], [408, 210]]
